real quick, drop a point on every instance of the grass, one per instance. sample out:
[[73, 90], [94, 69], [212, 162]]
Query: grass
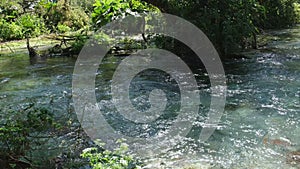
[[17, 46]]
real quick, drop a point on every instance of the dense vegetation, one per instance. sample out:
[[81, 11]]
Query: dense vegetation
[[22, 130], [116, 159], [232, 26]]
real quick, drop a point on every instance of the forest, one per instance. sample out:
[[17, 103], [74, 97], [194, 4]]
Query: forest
[[43, 42], [231, 26]]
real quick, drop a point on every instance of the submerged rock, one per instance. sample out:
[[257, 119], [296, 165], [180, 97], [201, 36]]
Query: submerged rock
[[277, 142], [293, 157], [4, 80]]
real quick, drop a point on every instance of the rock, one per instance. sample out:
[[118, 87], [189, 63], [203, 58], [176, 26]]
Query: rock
[[4, 80], [293, 157], [277, 142]]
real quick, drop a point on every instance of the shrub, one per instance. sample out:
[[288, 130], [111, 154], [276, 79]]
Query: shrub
[[61, 13], [63, 28], [19, 132], [75, 18], [25, 25], [9, 10], [105, 159], [10, 30], [280, 13], [31, 25], [297, 11], [107, 10], [78, 44]]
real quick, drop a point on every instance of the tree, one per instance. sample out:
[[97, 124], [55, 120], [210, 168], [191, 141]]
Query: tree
[[232, 25]]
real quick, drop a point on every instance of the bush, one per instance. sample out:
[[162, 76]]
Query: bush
[[280, 13], [25, 25], [116, 159], [61, 13], [31, 25], [9, 10], [75, 18], [63, 28], [297, 12], [78, 44], [19, 132], [107, 10], [10, 31]]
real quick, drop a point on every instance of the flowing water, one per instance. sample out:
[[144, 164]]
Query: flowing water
[[263, 102]]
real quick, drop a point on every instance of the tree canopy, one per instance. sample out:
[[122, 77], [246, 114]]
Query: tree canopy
[[231, 25]]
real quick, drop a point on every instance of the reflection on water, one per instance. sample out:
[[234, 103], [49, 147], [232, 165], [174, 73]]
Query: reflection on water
[[260, 125]]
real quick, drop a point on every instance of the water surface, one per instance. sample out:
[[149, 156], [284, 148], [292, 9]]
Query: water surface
[[263, 101]]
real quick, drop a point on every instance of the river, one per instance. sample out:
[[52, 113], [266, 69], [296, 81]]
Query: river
[[263, 102]]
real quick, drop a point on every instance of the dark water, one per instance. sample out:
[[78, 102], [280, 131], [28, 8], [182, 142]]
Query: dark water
[[263, 101]]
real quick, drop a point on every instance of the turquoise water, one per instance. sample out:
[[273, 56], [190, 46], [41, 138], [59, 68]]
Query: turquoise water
[[263, 104]]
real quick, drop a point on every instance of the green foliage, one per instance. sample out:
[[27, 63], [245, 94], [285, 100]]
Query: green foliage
[[63, 28], [10, 30], [232, 25], [81, 40], [228, 24], [47, 10], [31, 25], [9, 10], [297, 12], [16, 23], [85, 5], [18, 128], [280, 13], [78, 44], [76, 18], [105, 159], [34, 17], [25, 25], [109, 10], [61, 13]]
